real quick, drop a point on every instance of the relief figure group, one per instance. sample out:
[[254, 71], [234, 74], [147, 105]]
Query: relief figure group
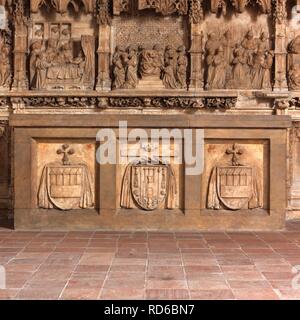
[[168, 66], [245, 65]]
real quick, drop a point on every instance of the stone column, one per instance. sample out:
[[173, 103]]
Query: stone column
[[20, 46], [104, 21], [280, 16], [196, 49]]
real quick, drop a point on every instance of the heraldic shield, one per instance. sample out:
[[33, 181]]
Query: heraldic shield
[[234, 188], [149, 186], [65, 187]]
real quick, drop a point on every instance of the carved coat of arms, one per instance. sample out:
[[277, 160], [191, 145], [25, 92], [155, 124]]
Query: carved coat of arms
[[149, 186], [234, 187], [64, 185]]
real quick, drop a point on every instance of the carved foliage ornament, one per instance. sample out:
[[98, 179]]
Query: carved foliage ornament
[[65, 185], [196, 13], [124, 102], [103, 12]]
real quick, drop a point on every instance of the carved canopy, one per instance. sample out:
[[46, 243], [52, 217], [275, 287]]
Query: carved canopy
[[61, 6]]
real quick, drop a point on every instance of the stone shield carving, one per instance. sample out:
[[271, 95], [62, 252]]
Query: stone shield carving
[[235, 187], [149, 186], [64, 185]]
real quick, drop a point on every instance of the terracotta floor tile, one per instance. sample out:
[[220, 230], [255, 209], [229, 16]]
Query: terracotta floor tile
[[157, 265], [212, 294], [39, 294], [128, 268], [91, 268], [167, 294], [254, 294], [207, 284], [124, 283], [166, 284], [122, 294], [244, 275], [96, 259], [251, 284]]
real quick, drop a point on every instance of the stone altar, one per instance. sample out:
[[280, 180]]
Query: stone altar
[[228, 68]]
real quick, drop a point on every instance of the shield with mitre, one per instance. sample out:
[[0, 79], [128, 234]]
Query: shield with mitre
[[235, 186], [149, 184]]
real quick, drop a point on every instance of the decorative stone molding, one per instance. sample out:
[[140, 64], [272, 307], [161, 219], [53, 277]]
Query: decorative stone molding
[[66, 102], [281, 106], [196, 14], [220, 103], [103, 12]]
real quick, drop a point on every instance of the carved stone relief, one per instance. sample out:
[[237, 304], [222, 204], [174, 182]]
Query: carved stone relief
[[243, 64], [294, 64], [150, 68], [65, 184], [149, 182], [62, 46], [5, 59], [234, 182]]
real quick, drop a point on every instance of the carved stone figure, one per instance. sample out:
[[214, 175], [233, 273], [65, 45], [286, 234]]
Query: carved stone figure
[[181, 70], [235, 186], [149, 186], [65, 185], [217, 70], [151, 62], [5, 64], [293, 64], [239, 71], [169, 72], [131, 67], [118, 68]]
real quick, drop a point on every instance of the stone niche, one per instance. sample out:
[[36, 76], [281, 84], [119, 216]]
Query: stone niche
[[60, 185]]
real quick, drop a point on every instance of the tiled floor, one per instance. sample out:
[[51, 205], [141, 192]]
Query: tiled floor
[[153, 265]]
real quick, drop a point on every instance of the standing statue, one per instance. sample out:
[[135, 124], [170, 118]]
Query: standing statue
[[169, 71], [218, 70], [239, 69], [294, 64], [118, 68], [257, 69], [36, 49], [182, 64], [131, 65], [267, 70]]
